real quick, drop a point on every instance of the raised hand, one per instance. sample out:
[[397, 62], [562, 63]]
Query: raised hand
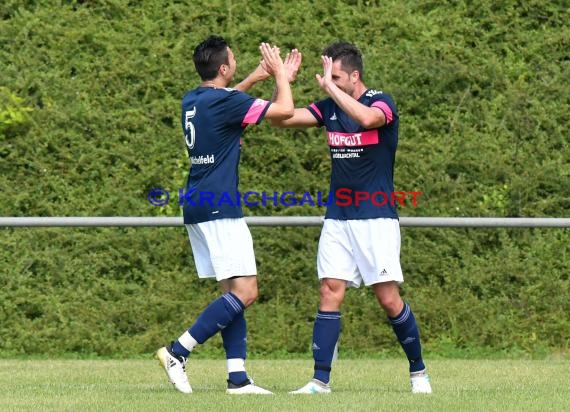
[[326, 79], [271, 60], [270, 65], [292, 63]]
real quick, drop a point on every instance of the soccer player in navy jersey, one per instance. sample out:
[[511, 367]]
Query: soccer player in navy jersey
[[360, 238], [214, 118]]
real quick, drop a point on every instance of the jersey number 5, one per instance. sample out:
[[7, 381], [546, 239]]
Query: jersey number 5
[[189, 131]]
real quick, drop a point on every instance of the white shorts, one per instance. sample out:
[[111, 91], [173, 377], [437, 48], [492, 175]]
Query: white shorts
[[360, 250], [222, 248]]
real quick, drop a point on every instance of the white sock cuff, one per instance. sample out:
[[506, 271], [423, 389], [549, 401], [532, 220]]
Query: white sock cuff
[[236, 365], [187, 341]]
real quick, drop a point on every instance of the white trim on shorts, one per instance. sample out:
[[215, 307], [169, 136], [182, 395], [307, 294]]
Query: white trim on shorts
[[360, 250], [222, 248]]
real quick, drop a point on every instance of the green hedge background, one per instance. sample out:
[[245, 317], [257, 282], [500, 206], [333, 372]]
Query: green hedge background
[[89, 123]]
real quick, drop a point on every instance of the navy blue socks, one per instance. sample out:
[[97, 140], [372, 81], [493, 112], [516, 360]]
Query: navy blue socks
[[234, 338], [326, 331], [408, 335], [217, 316]]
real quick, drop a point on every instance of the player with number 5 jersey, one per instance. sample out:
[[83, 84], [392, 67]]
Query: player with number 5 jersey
[[214, 118]]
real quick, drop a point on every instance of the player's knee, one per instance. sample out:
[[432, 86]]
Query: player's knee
[[248, 297], [392, 304], [330, 294], [246, 291], [252, 297]]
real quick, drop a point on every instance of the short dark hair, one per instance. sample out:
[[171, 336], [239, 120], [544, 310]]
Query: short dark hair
[[348, 54], [209, 56]]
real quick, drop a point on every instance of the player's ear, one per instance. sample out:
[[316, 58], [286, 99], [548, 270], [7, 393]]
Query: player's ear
[[355, 76], [224, 69]]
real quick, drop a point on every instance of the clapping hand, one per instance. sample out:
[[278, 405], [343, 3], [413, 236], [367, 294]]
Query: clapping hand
[[326, 79], [292, 63], [271, 61]]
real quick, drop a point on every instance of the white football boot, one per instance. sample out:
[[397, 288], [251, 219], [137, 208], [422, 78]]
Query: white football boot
[[314, 386], [175, 368], [420, 382], [246, 388]]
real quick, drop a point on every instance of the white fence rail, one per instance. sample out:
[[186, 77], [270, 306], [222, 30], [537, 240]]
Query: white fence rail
[[134, 221]]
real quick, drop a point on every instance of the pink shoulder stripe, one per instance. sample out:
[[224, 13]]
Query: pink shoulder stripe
[[255, 111], [316, 109], [385, 108]]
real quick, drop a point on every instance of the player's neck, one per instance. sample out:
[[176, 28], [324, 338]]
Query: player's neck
[[359, 90], [212, 83]]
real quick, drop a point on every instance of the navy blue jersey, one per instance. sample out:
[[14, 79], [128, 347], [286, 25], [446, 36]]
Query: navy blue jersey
[[362, 176], [213, 120]]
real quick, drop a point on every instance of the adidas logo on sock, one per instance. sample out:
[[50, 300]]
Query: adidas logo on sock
[[315, 346]]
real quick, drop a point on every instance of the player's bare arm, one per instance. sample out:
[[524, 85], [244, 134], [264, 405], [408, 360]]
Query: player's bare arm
[[367, 117], [257, 75], [302, 118]]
